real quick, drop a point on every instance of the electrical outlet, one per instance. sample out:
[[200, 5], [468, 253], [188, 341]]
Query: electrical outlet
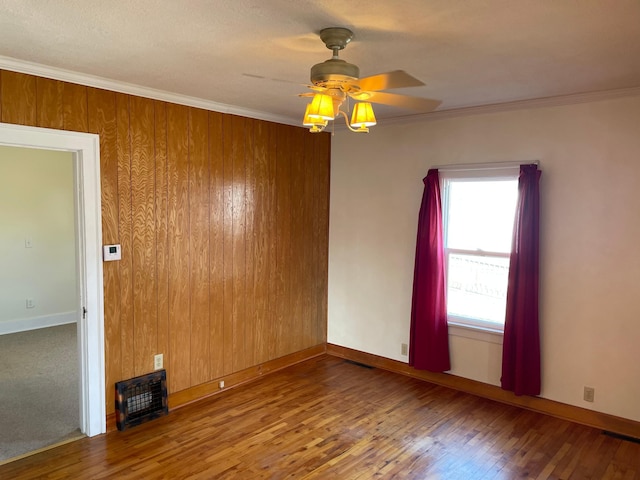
[[158, 361], [30, 303], [221, 384], [404, 349], [589, 394]]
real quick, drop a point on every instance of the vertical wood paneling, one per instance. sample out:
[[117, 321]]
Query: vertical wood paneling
[[323, 236], [199, 239], [298, 246], [18, 98], [179, 369], [74, 105], [261, 234], [311, 176], [272, 330], [216, 246], [223, 223], [162, 228], [102, 121], [307, 321], [49, 104], [283, 242], [61, 105], [123, 144], [309, 332], [314, 149], [249, 205], [143, 193], [228, 243], [238, 194]]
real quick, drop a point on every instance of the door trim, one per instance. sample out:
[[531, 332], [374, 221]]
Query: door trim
[[86, 150]]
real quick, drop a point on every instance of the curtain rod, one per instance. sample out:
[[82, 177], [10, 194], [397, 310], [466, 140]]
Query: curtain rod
[[485, 166]]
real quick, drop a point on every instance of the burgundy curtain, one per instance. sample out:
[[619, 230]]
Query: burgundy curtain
[[429, 337], [521, 345]]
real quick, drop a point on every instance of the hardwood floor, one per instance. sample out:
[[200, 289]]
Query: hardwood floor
[[327, 418]]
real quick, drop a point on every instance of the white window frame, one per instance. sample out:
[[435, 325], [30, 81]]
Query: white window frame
[[484, 172]]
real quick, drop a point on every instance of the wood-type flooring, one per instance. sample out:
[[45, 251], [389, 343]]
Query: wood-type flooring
[[327, 418]]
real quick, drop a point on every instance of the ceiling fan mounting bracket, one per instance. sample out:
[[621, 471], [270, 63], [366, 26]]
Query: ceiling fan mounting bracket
[[336, 37]]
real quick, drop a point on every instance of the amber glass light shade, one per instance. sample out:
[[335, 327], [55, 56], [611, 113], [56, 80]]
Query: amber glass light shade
[[321, 107], [362, 115], [314, 124]]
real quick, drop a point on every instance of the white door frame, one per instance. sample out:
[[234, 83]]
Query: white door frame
[[86, 150]]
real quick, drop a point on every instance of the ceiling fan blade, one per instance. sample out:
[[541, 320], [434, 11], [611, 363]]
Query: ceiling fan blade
[[261, 77], [418, 104], [389, 80]]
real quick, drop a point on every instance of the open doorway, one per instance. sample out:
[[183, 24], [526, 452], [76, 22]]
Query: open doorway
[[39, 388], [84, 149]]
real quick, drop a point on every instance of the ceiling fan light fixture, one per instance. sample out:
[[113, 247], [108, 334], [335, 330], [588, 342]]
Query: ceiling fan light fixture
[[315, 124], [335, 81], [321, 107], [362, 115], [361, 119]]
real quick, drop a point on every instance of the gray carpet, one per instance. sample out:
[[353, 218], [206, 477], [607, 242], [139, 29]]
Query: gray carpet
[[39, 395]]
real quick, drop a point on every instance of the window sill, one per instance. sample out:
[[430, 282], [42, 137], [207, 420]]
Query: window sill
[[473, 332]]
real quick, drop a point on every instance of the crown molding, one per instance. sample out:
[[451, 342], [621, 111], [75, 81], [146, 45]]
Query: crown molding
[[21, 66], [555, 101]]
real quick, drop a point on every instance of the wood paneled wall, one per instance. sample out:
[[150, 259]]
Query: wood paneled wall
[[223, 222]]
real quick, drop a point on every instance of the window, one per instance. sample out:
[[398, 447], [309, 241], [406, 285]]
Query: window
[[478, 217]]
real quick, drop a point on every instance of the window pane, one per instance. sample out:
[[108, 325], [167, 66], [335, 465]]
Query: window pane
[[477, 287], [481, 214]]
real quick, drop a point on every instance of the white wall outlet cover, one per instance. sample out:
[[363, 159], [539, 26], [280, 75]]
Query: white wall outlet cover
[[158, 361], [111, 252]]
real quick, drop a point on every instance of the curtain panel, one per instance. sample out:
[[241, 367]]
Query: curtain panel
[[521, 344], [429, 335]]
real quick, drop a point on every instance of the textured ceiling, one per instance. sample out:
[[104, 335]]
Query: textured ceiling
[[256, 54]]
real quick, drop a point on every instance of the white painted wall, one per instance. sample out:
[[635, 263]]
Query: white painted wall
[[36, 203], [590, 232]]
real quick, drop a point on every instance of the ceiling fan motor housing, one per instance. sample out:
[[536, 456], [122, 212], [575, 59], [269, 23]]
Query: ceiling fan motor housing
[[334, 70]]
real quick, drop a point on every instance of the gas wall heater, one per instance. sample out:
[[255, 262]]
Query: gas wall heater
[[141, 399]]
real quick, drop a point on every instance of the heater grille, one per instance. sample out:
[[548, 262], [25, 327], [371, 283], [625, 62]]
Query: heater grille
[[141, 399]]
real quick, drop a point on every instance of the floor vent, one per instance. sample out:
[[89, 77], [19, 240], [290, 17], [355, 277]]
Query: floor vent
[[622, 437], [363, 365], [141, 399]]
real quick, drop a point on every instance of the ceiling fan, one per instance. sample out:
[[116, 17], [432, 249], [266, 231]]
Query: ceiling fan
[[336, 80]]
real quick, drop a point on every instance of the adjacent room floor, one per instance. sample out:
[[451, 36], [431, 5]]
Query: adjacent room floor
[[39, 394]]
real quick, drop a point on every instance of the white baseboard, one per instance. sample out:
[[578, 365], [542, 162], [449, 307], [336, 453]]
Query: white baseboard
[[33, 323]]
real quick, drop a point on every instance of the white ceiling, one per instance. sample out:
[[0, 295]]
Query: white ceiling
[[255, 55]]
